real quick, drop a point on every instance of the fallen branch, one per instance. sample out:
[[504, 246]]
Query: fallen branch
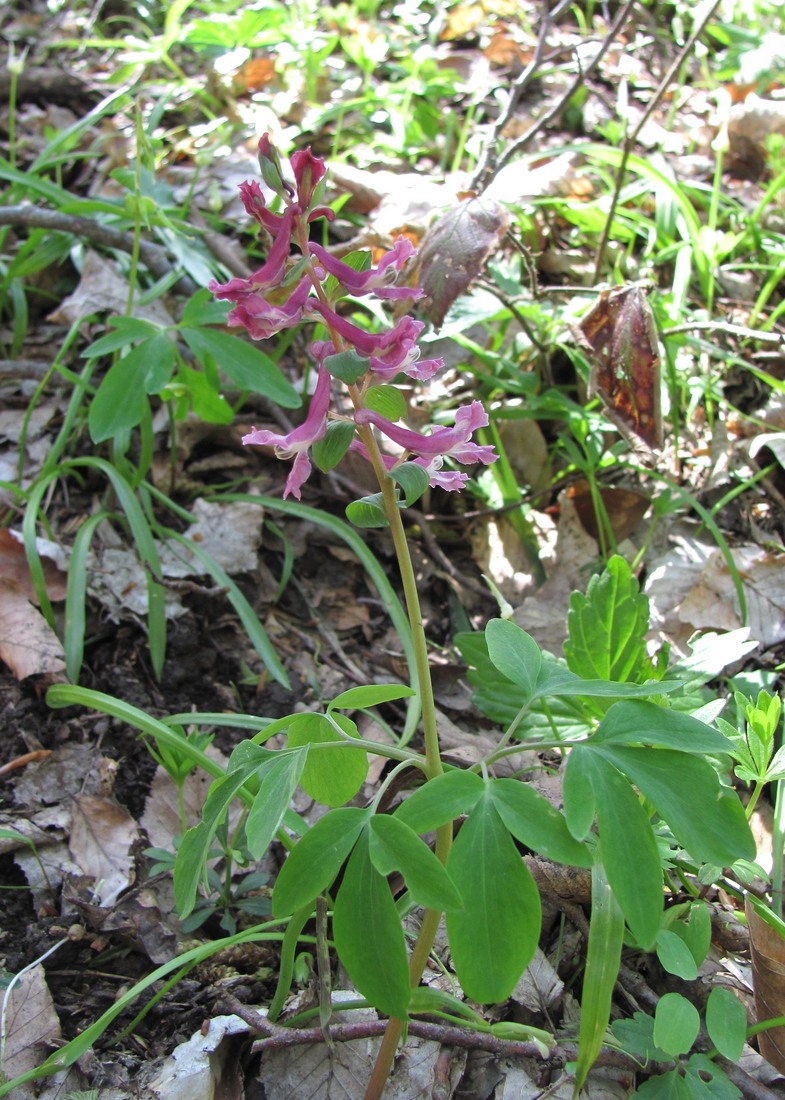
[[155, 258]]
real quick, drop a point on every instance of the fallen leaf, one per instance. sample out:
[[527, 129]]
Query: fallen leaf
[[625, 508], [31, 1023], [102, 834], [205, 1066], [14, 567], [768, 971], [102, 289], [28, 645], [454, 251]]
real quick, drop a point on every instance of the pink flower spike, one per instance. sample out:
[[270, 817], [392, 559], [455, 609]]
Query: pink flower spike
[[270, 273], [261, 318], [308, 171], [392, 352], [255, 206], [450, 480], [454, 442], [297, 442], [378, 279]]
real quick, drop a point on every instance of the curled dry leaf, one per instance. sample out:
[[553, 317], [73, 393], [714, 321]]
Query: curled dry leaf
[[454, 251], [768, 979], [102, 834]]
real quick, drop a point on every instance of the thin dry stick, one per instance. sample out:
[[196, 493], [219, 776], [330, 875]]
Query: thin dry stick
[[561, 103], [487, 159], [632, 136], [155, 258]]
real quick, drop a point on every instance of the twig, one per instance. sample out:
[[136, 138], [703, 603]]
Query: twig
[[486, 164], [632, 136], [155, 258], [23, 368], [561, 103]]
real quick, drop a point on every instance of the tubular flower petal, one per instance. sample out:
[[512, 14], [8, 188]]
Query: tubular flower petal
[[454, 442], [392, 352], [450, 480], [308, 171], [297, 443], [377, 279], [263, 319], [271, 273]]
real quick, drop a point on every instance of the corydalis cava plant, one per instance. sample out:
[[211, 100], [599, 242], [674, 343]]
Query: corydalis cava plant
[[291, 288]]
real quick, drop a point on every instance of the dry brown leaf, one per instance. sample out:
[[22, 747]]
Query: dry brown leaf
[[768, 979], [102, 834], [14, 567], [102, 289], [28, 645], [31, 1023]]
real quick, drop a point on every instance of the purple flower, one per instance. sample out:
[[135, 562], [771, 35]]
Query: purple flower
[[263, 318], [297, 442], [452, 442], [255, 206], [308, 171], [377, 279], [390, 353], [451, 480], [271, 273]]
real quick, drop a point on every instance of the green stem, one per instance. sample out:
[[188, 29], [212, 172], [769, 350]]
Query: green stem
[[777, 849]]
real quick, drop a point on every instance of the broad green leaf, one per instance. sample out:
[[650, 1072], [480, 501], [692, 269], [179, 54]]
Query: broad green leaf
[[536, 823], [667, 1086], [675, 955], [580, 804], [707, 819], [347, 366], [121, 400], [372, 695], [636, 1036], [726, 1023], [396, 847], [642, 723], [494, 937], [367, 512], [246, 365], [368, 935], [627, 845], [332, 775], [707, 1081], [204, 309], [387, 401], [608, 626], [603, 955], [160, 353], [316, 859], [441, 800], [127, 330], [515, 654], [328, 451], [556, 680], [676, 1024], [205, 400], [272, 800], [696, 932], [413, 480]]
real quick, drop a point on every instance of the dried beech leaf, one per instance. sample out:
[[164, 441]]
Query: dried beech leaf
[[455, 249], [14, 567], [28, 645], [619, 336], [31, 1024], [768, 979], [102, 834]]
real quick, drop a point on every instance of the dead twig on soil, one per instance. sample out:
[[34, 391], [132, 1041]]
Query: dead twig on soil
[[153, 256]]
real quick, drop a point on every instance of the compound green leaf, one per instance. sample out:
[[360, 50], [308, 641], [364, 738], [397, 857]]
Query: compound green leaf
[[396, 847], [272, 800], [676, 1024], [515, 654], [246, 365], [440, 800], [636, 722], [368, 934], [494, 936], [536, 823], [331, 775], [726, 1023], [675, 955], [311, 867]]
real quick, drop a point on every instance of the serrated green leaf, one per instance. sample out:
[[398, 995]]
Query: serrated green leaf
[[347, 366], [387, 401], [367, 512], [676, 1024], [396, 847], [441, 800], [272, 800], [536, 823], [675, 955], [494, 937], [332, 775], [371, 695], [603, 955], [249, 367], [413, 480], [636, 1036], [316, 859], [726, 1023], [707, 819], [368, 934], [607, 627], [328, 451]]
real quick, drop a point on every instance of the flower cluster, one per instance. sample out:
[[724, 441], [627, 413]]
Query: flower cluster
[[290, 288]]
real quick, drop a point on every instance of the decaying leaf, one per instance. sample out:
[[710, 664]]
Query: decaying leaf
[[102, 833], [768, 979], [31, 1023], [455, 249], [619, 336], [28, 645]]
